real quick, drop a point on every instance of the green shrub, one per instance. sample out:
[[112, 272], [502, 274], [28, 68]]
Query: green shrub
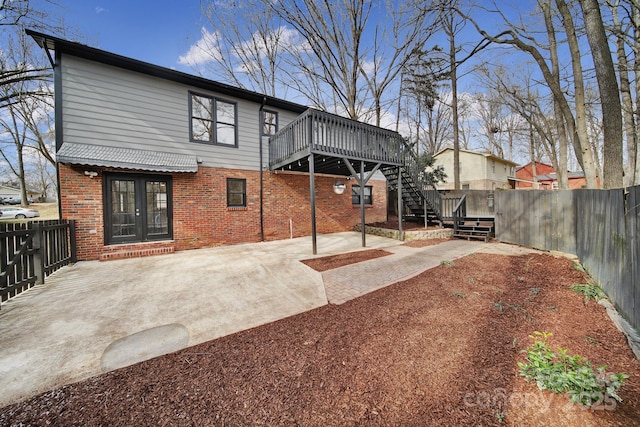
[[590, 291], [561, 372]]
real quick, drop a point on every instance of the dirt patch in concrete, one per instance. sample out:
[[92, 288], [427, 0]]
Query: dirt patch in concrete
[[335, 261]]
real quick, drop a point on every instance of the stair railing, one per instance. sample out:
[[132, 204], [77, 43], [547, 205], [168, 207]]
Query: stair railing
[[459, 213], [421, 181]]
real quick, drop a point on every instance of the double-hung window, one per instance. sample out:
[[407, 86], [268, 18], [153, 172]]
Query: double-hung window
[[355, 195], [212, 120], [236, 192]]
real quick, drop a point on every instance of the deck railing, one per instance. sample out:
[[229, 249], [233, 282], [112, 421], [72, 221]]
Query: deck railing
[[319, 132]]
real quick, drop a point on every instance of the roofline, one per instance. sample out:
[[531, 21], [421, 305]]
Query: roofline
[[487, 155], [538, 163], [79, 50]]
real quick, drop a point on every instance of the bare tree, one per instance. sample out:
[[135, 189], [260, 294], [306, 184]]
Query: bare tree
[[525, 43], [14, 16], [25, 123], [609, 93], [400, 34], [620, 31], [250, 52]]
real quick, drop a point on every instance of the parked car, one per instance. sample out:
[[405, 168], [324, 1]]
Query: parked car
[[18, 213], [15, 200]]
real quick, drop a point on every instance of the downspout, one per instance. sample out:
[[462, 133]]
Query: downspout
[[260, 128]]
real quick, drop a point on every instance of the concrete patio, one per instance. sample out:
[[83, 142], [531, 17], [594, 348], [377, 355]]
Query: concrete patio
[[93, 316]]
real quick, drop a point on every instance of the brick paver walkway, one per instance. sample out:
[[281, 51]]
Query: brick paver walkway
[[346, 283]]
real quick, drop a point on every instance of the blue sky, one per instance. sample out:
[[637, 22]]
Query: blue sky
[[153, 31]]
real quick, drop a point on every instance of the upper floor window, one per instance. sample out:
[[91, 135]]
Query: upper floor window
[[212, 120], [269, 122]]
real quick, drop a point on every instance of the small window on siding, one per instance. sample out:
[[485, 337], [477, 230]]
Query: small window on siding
[[355, 195], [269, 122], [236, 192], [212, 120]]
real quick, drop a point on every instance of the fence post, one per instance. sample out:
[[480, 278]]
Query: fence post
[[72, 240], [38, 256]]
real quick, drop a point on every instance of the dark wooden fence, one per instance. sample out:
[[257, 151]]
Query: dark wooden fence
[[601, 227], [30, 251]]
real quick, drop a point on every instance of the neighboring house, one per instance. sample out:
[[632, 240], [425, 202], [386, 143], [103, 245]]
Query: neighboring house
[[152, 160], [478, 171], [545, 178], [13, 193]]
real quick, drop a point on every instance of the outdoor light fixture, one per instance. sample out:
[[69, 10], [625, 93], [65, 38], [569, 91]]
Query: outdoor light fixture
[[339, 187], [91, 174]]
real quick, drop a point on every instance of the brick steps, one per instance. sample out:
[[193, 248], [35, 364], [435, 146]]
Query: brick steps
[[133, 252]]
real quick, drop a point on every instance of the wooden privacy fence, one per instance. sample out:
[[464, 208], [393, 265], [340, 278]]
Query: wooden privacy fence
[[30, 251], [601, 227]]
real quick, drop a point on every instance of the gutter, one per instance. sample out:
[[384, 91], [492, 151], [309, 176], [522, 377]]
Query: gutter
[[260, 127]]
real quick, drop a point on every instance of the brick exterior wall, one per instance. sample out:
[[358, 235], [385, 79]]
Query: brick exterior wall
[[201, 217]]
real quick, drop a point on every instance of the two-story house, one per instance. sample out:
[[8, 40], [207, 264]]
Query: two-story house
[[151, 160], [478, 171], [542, 176]]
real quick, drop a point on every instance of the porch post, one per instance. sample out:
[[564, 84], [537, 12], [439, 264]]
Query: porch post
[[312, 192], [362, 215], [400, 202]]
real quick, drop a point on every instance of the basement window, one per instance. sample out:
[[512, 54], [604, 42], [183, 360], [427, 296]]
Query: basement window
[[236, 193], [355, 195]]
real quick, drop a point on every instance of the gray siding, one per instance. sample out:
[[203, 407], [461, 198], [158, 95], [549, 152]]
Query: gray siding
[[109, 106]]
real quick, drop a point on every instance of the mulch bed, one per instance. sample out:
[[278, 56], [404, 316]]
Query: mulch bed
[[438, 349], [335, 261], [424, 243]]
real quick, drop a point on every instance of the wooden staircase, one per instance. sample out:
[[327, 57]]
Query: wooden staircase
[[474, 227], [471, 227], [419, 194]]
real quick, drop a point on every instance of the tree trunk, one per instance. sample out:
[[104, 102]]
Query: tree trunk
[[627, 98], [609, 94], [585, 157], [561, 130], [454, 100]]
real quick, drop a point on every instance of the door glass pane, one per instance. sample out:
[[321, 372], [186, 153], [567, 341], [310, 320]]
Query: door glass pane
[[123, 208], [156, 201]]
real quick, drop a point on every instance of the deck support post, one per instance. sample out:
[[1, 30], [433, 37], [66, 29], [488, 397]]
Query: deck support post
[[362, 181], [312, 192], [400, 203], [362, 215]]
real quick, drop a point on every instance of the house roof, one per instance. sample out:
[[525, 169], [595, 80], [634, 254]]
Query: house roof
[[487, 155], [554, 176], [537, 163], [79, 50], [126, 158]]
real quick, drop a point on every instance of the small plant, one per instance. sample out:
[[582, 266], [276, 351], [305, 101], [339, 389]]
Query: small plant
[[458, 295], [448, 263], [561, 372], [498, 290], [499, 306], [500, 416], [590, 291], [534, 291]]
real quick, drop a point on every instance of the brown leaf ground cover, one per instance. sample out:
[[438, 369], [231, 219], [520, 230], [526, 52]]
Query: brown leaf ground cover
[[438, 349]]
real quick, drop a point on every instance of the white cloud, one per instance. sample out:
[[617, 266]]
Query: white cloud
[[204, 50], [100, 9], [368, 67]]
